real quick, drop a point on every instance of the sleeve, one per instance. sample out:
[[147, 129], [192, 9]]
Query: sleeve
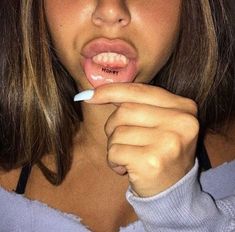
[[185, 207]]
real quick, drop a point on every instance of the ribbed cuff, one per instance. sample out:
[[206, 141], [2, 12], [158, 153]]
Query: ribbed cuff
[[182, 207]]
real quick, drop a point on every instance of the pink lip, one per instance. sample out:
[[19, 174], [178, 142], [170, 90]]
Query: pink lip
[[105, 45], [95, 73]]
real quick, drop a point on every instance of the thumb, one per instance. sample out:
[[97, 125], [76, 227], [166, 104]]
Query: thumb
[[119, 169]]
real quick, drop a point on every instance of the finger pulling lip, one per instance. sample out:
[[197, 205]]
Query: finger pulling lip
[[109, 61]]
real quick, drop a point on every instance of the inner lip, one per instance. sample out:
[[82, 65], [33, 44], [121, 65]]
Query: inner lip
[[109, 68]]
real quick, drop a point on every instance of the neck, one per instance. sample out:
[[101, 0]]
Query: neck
[[221, 147], [91, 139]]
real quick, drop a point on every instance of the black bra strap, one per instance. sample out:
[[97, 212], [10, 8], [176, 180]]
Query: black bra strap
[[204, 163], [22, 182], [203, 158]]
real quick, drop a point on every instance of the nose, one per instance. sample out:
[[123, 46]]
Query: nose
[[111, 13]]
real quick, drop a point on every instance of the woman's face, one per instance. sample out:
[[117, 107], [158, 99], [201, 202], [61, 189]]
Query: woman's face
[[104, 41]]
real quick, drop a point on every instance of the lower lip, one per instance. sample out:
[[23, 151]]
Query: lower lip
[[99, 75]]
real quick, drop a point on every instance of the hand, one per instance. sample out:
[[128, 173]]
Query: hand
[[152, 135]]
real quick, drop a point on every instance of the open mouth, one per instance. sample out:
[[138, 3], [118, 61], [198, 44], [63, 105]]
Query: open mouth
[[109, 61]]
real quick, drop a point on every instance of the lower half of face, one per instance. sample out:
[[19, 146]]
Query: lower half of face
[[110, 41]]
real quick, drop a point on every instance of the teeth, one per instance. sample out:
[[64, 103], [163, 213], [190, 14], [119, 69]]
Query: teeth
[[110, 57], [104, 58]]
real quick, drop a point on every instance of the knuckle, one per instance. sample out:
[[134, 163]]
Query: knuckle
[[137, 87], [152, 162], [125, 106], [150, 158], [120, 130], [189, 124], [153, 156], [113, 150], [192, 106], [194, 125], [172, 143], [107, 128], [183, 118], [140, 88], [122, 110]]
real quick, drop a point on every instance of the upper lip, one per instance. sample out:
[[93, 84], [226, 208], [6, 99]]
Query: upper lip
[[102, 45]]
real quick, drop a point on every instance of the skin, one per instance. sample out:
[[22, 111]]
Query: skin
[[154, 152], [143, 130], [131, 133], [120, 111], [159, 153], [83, 21], [126, 124]]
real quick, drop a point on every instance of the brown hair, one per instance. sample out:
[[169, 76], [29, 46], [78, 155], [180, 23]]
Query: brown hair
[[37, 113], [202, 65]]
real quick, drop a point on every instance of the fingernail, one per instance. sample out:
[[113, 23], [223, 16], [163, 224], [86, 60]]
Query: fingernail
[[84, 95]]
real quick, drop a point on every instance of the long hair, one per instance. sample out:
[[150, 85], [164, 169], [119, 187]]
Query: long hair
[[202, 65], [37, 113]]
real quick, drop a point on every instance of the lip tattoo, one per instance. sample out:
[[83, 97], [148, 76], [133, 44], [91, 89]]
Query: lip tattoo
[[110, 71], [109, 61]]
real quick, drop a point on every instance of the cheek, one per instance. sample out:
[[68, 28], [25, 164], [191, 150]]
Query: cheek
[[161, 19], [161, 27], [153, 30], [64, 18]]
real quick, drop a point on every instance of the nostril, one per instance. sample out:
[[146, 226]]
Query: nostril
[[99, 21], [111, 14], [121, 21]]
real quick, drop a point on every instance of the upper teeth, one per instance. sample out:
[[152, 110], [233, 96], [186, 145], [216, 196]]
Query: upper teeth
[[110, 57]]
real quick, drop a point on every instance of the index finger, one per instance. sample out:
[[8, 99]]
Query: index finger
[[142, 94]]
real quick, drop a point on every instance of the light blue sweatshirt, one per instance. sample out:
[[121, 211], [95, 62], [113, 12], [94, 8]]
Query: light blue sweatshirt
[[190, 205]]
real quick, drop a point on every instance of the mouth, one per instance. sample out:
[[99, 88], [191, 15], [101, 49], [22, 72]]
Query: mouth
[[109, 61]]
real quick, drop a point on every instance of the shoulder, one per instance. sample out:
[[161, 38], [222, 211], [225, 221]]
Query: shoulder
[[8, 180]]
